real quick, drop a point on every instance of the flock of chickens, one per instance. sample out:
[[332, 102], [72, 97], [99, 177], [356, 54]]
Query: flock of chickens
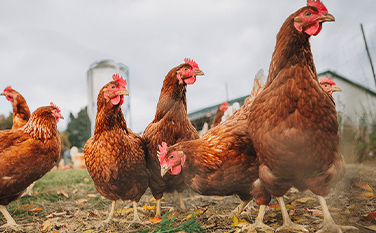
[[285, 135]]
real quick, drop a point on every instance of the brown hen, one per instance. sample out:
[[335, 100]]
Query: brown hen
[[21, 112], [115, 156], [26, 154], [293, 124], [170, 125]]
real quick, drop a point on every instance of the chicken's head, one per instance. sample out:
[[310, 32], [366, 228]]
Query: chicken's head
[[329, 85], [310, 18], [56, 112], [170, 162], [188, 71], [224, 106], [115, 90], [10, 94]]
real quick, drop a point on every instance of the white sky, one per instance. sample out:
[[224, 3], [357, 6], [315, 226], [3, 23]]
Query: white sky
[[46, 47]]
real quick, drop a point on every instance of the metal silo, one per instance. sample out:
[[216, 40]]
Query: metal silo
[[98, 75]]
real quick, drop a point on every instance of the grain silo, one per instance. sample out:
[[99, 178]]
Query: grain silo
[[99, 74]]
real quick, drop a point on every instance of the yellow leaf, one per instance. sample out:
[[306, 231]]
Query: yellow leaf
[[218, 199], [367, 195], [304, 199], [363, 185], [88, 231], [235, 221], [63, 193], [27, 206], [146, 207], [46, 226], [86, 179]]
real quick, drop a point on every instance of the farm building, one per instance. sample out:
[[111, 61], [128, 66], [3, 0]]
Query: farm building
[[356, 107]]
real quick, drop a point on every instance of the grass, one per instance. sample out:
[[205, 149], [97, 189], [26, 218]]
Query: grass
[[48, 195]]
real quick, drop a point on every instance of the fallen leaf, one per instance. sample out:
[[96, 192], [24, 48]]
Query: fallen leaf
[[171, 215], [218, 199], [34, 209], [82, 200], [363, 185], [62, 192], [304, 199], [315, 212], [155, 220], [273, 206], [367, 195], [369, 217], [27, 206], [80, 206], [86, 179], [146, 207], [236, 221], [88, 231], [92, 195], [46, 226]]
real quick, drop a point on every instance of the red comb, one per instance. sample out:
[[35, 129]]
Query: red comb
[[162, 152], [318, 4], [54, 105], [327, 80], [8, 88], [119, 79], [191, 62]]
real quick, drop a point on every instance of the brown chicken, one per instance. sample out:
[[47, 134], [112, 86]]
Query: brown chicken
[[21, 112], [329, 85], [26, 154], [293, 124], [219, 114], [115, 156], [170, 125], [222, 162]]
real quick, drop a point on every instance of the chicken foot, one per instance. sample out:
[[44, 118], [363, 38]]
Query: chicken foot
[[259, 221], [182, 205], [236, 212], [158, 209], [287, 223], [329, 224], [10, 221]]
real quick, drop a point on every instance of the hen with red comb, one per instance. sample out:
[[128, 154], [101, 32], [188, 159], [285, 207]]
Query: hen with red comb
[[21, 112], [115, 156], [26, 154], [293, 125], [170, 125]]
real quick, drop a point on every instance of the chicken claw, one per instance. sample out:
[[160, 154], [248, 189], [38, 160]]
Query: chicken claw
[[328, 224], [287, 223]]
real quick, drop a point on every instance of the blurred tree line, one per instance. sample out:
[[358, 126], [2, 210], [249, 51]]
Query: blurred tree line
[[76, 134]]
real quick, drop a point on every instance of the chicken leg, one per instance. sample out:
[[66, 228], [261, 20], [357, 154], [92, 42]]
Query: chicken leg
[[182, 205], [259, 221], [158, 209], [10, 221], [329, 224], [287, 223], [111, 214]]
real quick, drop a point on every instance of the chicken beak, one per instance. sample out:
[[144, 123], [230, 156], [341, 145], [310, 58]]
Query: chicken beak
[[61, 117], [198, 72], [164, 170], [326, 17], [335, 88], [123, 92]]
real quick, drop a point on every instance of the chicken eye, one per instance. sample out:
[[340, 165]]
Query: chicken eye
[[307, 14], [112, 87], [171, 157], [185, 69]]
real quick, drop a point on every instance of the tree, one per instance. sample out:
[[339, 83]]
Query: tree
[[6, 122], [78, 128]]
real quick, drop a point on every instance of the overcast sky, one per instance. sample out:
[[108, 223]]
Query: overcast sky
[[46, 47]]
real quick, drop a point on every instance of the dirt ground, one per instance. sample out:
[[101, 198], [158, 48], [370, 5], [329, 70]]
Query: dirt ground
[[348, 203]]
